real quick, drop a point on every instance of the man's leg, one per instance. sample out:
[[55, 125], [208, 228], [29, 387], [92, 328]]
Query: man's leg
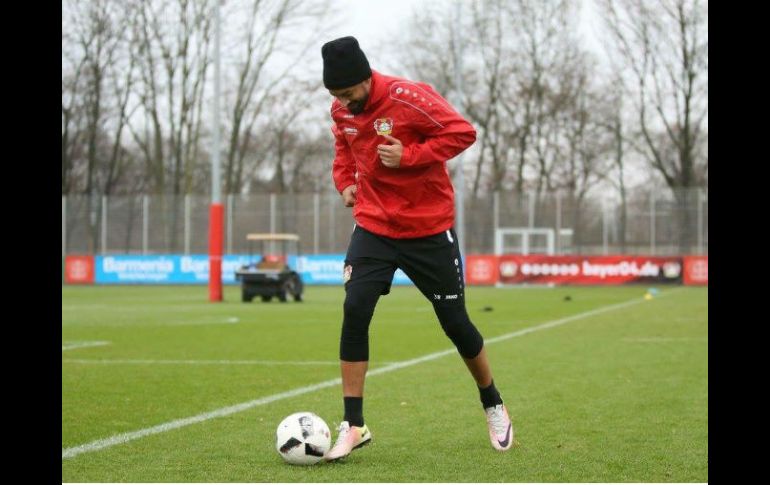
[[360, 300], [368, 274], [479, 367], [434, 264], [353, 376]]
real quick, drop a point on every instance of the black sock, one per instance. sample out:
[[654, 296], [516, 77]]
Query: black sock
[[489, 396], [354, 410]]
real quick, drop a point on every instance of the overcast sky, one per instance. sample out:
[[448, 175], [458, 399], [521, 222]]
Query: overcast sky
[[374, 23]]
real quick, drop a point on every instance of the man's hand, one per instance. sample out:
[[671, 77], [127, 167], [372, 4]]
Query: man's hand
[[349, 195], [391, 154]]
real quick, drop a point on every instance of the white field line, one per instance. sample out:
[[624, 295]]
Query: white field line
[[199, 362], [179, 423], [182, 323], [226, 411], [664, 339], [80, 345], [179, 323]]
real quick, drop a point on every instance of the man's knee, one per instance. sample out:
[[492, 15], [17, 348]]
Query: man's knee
[[459, 328], [358, 309]]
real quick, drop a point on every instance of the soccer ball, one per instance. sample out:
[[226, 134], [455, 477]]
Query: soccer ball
[[302, 439]]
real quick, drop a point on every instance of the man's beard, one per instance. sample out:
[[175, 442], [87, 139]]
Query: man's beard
[[357, 107]]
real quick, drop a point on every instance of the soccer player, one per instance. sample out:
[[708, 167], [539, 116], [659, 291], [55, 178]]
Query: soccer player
[[393, 137]]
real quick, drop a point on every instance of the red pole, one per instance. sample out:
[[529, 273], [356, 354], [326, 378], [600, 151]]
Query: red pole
[[216, 213]]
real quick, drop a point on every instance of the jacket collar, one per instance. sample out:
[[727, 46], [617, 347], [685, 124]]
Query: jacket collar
[[378, 90]]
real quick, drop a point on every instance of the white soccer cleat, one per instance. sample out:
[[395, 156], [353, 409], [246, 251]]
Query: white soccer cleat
[[500, 427], [350, 438]]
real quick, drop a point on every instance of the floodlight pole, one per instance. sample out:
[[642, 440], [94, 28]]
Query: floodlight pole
[[216, 210]]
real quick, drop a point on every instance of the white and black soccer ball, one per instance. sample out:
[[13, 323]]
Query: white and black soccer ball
[[302, 438]]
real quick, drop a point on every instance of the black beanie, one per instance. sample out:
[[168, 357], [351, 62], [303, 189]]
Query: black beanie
[[345, 64]]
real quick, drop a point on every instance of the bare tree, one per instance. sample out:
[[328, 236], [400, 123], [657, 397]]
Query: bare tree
[[172, 57], [587, 144], [485, 109], [150, 138], [95, 94], [311, 158], [72, 116], [550, 59], [611, 116], [98, 42], [264, 37], [120, 78], [664, 46], [172, 39], [290, 135]]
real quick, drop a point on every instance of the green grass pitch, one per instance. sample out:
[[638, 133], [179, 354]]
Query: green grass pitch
[[617, 395]]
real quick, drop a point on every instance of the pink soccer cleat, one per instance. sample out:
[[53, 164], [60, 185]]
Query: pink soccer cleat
[[350, 438], [500, 427]]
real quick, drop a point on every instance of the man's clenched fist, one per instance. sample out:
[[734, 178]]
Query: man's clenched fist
[[349, 195], [391, 154]]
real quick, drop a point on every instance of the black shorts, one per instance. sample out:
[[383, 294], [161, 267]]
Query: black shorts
[[433, 263]]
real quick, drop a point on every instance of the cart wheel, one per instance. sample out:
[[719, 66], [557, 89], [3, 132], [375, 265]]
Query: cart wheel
[[246, 297], [288, 288], [266, 298], [296, 288]]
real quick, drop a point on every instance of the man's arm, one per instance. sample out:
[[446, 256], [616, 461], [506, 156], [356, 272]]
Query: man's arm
[[447, 133], [343, 169]]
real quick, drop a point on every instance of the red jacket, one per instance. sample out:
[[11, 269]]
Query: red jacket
[[416, 199]]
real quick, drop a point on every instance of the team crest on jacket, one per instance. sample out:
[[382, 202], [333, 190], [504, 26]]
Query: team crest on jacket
[[383, 126]]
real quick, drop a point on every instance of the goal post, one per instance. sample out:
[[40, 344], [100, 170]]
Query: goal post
[[525, 241]]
